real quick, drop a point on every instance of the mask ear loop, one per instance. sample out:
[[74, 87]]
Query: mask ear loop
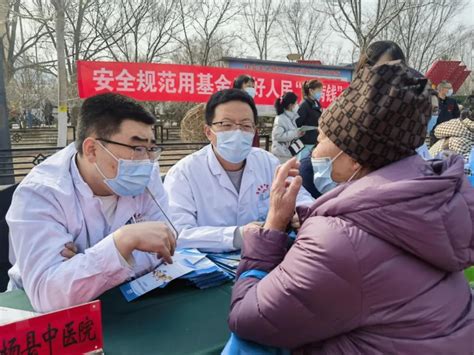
[[333, 160], [337, 156], [100, 170], [354, 175], [108, 151]]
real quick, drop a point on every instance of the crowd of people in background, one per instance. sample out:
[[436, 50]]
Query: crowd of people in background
[[450, 127]]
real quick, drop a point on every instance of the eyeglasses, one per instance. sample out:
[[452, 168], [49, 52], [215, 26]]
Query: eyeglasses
[[232, 126], [139, 152]]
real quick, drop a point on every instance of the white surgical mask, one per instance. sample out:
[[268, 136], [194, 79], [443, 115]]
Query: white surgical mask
[[296, 108], [234, 146], [449, 93], [251, 91]]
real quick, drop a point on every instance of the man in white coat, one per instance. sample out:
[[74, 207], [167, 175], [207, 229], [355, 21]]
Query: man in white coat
[[216, 191], [91, 197]]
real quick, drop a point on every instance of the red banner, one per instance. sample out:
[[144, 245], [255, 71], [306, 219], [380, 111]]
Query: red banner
[[190, 83], [75, 330]]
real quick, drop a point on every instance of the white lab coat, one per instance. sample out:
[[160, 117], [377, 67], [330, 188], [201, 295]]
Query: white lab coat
[[205, 206], [52, 206]]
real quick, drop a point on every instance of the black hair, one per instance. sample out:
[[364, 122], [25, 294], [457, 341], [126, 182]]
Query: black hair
[[376, 50], [241, 80], [466, 113], [282, 103], [224, 96], [102, 115], [311, 84]]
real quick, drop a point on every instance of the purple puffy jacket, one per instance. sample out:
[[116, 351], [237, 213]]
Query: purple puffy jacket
[[376, 268]]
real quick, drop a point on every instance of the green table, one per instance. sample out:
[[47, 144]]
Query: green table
[[178, 319]]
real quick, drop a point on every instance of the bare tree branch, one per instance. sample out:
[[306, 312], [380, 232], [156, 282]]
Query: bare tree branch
[[364, 25], [422, 30], [303, 27], [260, 16]]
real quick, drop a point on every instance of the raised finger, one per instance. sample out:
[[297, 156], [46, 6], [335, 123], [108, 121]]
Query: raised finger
[[282, 173], [295, 186], [293, 172]]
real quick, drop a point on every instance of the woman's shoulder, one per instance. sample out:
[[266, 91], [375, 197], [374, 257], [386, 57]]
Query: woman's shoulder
[[332, 230], [278, 119], [306, 103], [282, 117]]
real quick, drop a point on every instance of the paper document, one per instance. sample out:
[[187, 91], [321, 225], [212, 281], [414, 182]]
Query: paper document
[[307, 128], [159, 277]]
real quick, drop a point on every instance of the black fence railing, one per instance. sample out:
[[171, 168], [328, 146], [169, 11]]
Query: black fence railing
[[162, 134], [16, 163]]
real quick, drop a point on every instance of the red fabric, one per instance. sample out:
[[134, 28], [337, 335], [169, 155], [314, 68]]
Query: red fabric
[[188, 83]]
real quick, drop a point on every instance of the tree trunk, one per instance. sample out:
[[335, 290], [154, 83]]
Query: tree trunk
[[6, 165], [62, 74]]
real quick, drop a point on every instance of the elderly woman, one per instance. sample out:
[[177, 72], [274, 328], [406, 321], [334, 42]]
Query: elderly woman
[[456, 135], [377, 264]]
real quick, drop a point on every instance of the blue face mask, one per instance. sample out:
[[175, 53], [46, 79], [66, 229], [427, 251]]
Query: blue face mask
[[234, 146], [322, 169], [432, 122], [317, 95], [132, 176], [251, 91]]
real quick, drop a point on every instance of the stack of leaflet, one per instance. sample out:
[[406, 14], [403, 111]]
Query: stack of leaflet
[[205, 273], [226, 261], [162, 275], [189, 264]]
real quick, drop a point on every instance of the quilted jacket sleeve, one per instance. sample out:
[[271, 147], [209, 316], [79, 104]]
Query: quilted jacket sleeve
[[312, 293], [451, 128]]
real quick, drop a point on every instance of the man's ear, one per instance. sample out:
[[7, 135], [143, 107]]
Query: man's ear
[[89, 149], [208, 132]]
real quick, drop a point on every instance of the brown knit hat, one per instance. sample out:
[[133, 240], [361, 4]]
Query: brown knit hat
[[381, 117]]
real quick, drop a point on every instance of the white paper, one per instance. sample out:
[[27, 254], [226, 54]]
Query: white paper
[[307, 128], [9, 315], [188, 256]]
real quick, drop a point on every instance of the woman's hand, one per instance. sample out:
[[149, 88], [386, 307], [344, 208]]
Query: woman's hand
[[283, 195]]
